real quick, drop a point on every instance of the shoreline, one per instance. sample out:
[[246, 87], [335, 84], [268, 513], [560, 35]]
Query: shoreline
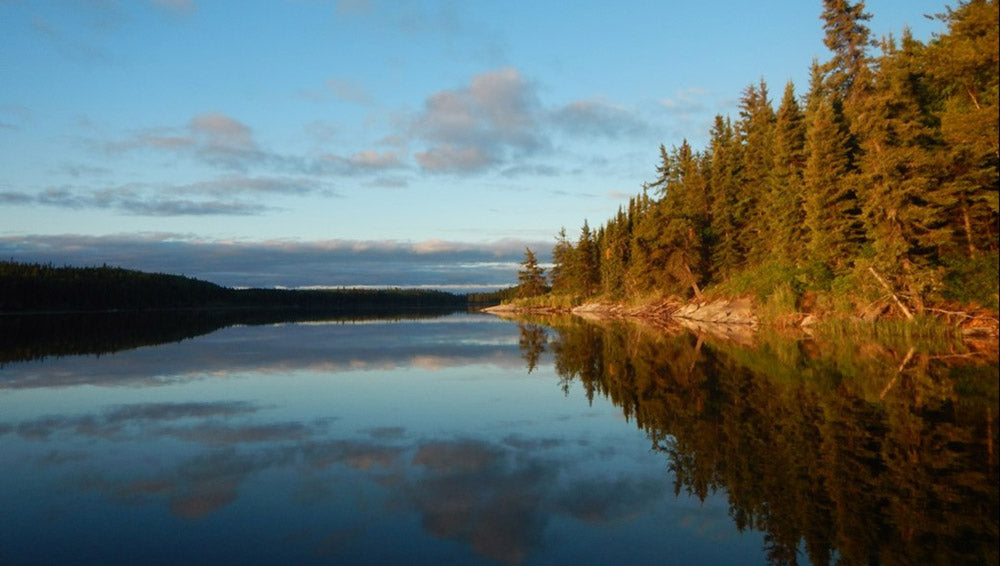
[[735, 312]]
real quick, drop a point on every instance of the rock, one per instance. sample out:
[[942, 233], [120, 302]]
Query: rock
[[736, 311]]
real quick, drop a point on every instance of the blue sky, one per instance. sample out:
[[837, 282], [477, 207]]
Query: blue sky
[[362, 142]]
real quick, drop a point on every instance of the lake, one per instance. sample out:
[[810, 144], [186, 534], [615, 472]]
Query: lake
[[461, 438]]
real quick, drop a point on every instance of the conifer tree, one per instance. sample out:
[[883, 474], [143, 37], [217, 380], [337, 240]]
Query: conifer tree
[[784, 205], [756, 131], [848, 37], [614, 252], [963, 65], [828, 203], [904, 202], [723, 192], [586, 265], [561, 274], [686, 206], [531, 277]]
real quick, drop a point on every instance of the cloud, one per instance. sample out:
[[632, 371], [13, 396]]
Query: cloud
[[686, 103], [597, 118], [455, 159], [222, 131], [474, 127], [366, 161], [348, 91], [214, 138], [145, 199], [288, 263]]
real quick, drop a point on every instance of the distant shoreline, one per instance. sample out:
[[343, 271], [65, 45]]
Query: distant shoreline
[[45, 289]]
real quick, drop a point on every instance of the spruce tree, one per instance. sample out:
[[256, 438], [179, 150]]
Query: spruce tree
[[586, 265], [756, 131], [848, 37], [531, 277], [561, 274], [963, 65], [828, 204], [784, 204], [724, 180], [904, 202]]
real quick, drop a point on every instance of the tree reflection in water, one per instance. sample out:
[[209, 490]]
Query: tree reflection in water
[[853, 453]]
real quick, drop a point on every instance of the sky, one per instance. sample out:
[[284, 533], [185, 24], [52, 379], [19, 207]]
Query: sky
[[364, 142]]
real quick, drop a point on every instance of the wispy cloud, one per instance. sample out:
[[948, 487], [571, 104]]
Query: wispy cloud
[[348, 91], [686, 103], [202, 198], [213, 138], [598, 118], [365, 161]]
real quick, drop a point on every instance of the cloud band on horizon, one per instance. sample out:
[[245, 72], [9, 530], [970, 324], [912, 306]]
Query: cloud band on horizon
[[288, 263]]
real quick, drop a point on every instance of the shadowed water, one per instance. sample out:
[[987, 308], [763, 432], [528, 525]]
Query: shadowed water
[[469, 439]]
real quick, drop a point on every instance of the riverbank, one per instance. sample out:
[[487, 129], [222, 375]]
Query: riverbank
[[743, 312]]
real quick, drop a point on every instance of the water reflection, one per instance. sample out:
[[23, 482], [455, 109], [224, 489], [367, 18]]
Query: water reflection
[[860, 453], [35, 337], [467, 439]]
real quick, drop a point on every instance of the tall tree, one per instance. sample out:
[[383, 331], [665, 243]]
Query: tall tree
[[829, 205], [531, 277], [848, 37], [963, 65], [900, 165], [587, 267], [724, 181], [614, 252], [756, 132], [784, 199]]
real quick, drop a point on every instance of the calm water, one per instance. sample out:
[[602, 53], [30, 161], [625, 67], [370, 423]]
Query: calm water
[[468, 439]]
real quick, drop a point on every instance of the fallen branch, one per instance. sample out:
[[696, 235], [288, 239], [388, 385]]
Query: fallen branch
[[902, 307], [962, 314]]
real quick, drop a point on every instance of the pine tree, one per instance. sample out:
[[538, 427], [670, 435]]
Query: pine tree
[[531, 277]]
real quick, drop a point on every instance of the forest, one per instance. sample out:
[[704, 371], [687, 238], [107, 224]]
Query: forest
[[27, 287], [876, 189]]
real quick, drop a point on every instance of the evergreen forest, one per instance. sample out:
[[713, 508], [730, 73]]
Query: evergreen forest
[[876, 188], [27, 287]]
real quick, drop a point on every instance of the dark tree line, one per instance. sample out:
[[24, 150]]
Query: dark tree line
[[35, 287], [881, 180]]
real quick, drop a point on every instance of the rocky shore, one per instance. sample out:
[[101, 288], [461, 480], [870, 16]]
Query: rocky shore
[[733, 315], [727, 311]]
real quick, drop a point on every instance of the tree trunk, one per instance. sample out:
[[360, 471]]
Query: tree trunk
[[694, 281], [902, 307], [968, 230]]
